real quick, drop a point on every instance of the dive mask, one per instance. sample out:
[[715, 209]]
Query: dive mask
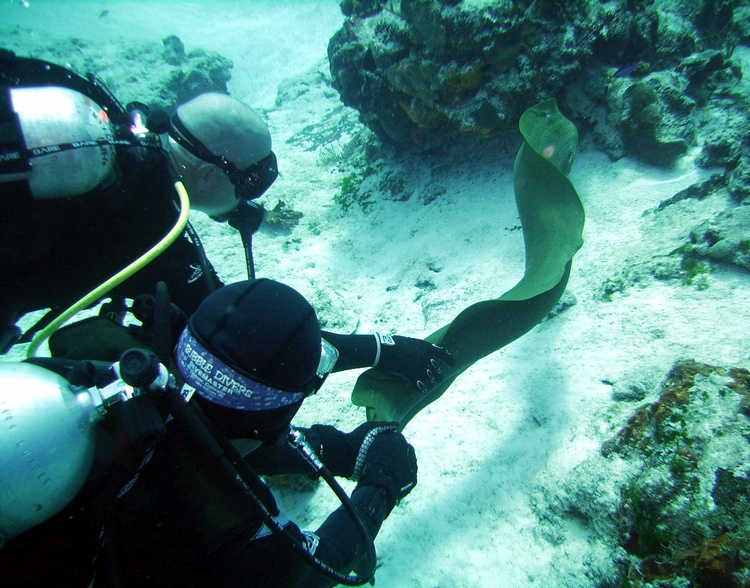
[[249, 183]]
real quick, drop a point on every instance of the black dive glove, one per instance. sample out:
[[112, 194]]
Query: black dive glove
[[420, 362], [342, 453], [388, 462]]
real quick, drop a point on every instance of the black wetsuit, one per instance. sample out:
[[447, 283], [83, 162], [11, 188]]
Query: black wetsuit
[[55, 251], [183, 523]]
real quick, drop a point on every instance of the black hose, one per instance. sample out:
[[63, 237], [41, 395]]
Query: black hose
[[247, 219], [216, 446], [162, 342]]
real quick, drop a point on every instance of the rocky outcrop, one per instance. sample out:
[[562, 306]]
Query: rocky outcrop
[[637, 75], [722, 238], [686, 512], [425, 73], [669, 494]]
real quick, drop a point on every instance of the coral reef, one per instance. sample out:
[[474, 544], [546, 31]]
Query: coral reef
[[669, 494], [696, 191], [424, 73], [643, 78], [655, 119], [723, 238], [686, 513], [193, 73]]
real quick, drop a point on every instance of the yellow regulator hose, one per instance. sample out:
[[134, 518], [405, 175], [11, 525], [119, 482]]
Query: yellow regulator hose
[[97, 293]]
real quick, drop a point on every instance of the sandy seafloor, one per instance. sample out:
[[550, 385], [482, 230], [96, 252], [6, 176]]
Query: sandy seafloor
[[496, 451]]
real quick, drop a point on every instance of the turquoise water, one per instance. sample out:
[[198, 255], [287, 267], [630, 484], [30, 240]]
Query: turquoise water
[[500, 453], [265, 40]]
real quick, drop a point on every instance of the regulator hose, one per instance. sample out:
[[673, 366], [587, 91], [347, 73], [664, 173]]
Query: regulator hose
[[97, 293]]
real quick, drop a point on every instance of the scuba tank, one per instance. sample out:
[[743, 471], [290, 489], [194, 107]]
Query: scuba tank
[[60, 130], [67, 139], [48, 431], [47, 445]]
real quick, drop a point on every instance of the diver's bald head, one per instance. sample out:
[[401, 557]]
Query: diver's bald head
[[227, 127]]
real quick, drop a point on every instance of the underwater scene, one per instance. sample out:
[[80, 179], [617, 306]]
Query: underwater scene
[[546, 203]]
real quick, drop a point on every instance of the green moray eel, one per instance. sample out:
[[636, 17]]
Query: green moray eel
[[552, 219]]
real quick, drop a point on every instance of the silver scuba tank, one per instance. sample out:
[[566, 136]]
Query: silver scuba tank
[[52, 116], [47, 445]]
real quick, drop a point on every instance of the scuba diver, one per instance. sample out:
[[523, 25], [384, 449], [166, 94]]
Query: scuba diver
[[186, 508], [253, 353]]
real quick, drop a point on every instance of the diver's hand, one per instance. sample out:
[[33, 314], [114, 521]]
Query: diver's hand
[[344, 453], [389, 463], [421, 363]]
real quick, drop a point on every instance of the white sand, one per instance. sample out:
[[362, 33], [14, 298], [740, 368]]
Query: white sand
[[495, 452]]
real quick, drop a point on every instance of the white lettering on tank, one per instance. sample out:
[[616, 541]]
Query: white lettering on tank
[[46, 150], [10, 156]]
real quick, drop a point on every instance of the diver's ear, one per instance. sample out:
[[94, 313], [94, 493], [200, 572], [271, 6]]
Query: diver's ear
[[206, 176]]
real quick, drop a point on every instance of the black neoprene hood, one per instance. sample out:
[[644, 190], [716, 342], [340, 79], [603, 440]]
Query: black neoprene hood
[[265, 330]]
